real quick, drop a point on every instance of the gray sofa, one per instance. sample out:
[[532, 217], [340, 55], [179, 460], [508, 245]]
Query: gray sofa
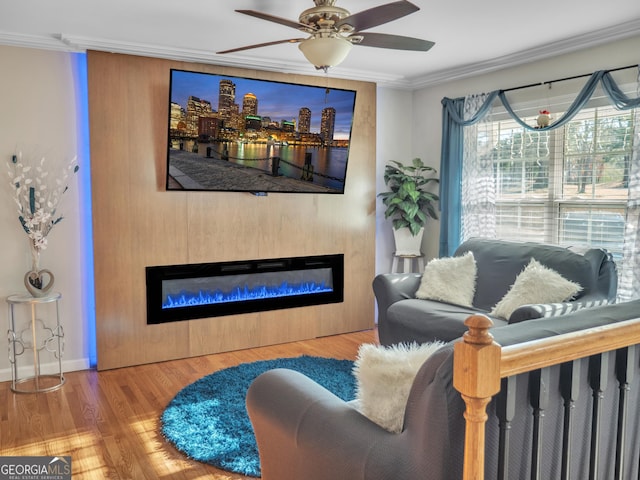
[[305, 432], [402, 318]]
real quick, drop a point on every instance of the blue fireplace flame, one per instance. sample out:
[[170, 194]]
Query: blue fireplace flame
[[240, 294]]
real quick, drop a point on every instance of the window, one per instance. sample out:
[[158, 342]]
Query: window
[[567, 186]]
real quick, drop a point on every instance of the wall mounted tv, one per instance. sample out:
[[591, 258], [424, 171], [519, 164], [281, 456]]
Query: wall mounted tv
[[245, 135]]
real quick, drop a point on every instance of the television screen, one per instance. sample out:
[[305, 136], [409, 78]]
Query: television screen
[[239, 134]]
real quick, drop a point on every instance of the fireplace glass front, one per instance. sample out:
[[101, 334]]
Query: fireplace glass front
[[183, 292]]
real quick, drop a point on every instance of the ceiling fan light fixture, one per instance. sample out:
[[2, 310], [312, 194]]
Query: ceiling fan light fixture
[[325, 52]]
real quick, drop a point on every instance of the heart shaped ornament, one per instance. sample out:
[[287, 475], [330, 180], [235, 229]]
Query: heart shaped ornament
[[39, 283]]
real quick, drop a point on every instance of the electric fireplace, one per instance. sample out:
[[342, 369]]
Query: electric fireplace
[[185, 292]]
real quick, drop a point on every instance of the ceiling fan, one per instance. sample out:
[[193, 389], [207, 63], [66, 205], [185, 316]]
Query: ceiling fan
[[333, 31]]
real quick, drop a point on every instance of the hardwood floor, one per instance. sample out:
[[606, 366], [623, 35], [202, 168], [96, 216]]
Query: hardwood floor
[[108, 422]]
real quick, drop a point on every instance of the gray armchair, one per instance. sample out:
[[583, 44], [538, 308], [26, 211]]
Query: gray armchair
[[305, 432]]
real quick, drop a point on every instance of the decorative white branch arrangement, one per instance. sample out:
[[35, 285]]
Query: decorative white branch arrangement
[[37, 197]]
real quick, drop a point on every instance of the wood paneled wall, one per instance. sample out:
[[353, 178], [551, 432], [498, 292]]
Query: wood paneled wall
[[136, 223]]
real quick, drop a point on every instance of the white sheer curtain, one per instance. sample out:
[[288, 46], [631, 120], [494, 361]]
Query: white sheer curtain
[[629, 274], [478, 182]]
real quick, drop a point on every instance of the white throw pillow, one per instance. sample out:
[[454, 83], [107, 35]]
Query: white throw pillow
[[535, 284], [384, 376], [450, 280]]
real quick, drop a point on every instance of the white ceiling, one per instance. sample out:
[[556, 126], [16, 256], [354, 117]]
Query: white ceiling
[[470, 36]]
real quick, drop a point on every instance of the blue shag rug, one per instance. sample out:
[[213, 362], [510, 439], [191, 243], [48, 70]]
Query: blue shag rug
[[208, 420]]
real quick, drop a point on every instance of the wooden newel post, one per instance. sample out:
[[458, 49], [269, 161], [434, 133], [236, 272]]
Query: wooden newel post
[[476, 375]]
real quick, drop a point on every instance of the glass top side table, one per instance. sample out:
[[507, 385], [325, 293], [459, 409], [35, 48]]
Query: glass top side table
[[33, 334]]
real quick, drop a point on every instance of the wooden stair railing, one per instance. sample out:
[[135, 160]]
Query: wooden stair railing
[[480, 364]]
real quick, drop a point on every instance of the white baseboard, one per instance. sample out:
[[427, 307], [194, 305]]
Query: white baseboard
[[47, 369]]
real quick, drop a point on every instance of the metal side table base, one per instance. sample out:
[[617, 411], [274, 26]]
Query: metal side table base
[[38, 338]]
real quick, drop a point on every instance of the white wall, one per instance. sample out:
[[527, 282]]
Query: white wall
[[393, 137], [40, 113], [425, 124]]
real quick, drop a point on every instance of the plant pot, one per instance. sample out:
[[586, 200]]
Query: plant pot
[[407, 244]]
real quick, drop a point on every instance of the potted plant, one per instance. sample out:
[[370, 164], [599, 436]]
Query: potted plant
[[409, 202]]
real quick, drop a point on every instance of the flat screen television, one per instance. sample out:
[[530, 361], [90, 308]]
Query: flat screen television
[[240, 134]]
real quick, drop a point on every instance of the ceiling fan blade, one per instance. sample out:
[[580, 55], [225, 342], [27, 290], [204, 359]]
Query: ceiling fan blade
[[248, 47], [272, 18], [397, 42], [378, 15]]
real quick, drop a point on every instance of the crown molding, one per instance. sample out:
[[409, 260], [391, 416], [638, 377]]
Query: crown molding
[[78, 43], [72, 43], [573, 44], [44, 42]]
